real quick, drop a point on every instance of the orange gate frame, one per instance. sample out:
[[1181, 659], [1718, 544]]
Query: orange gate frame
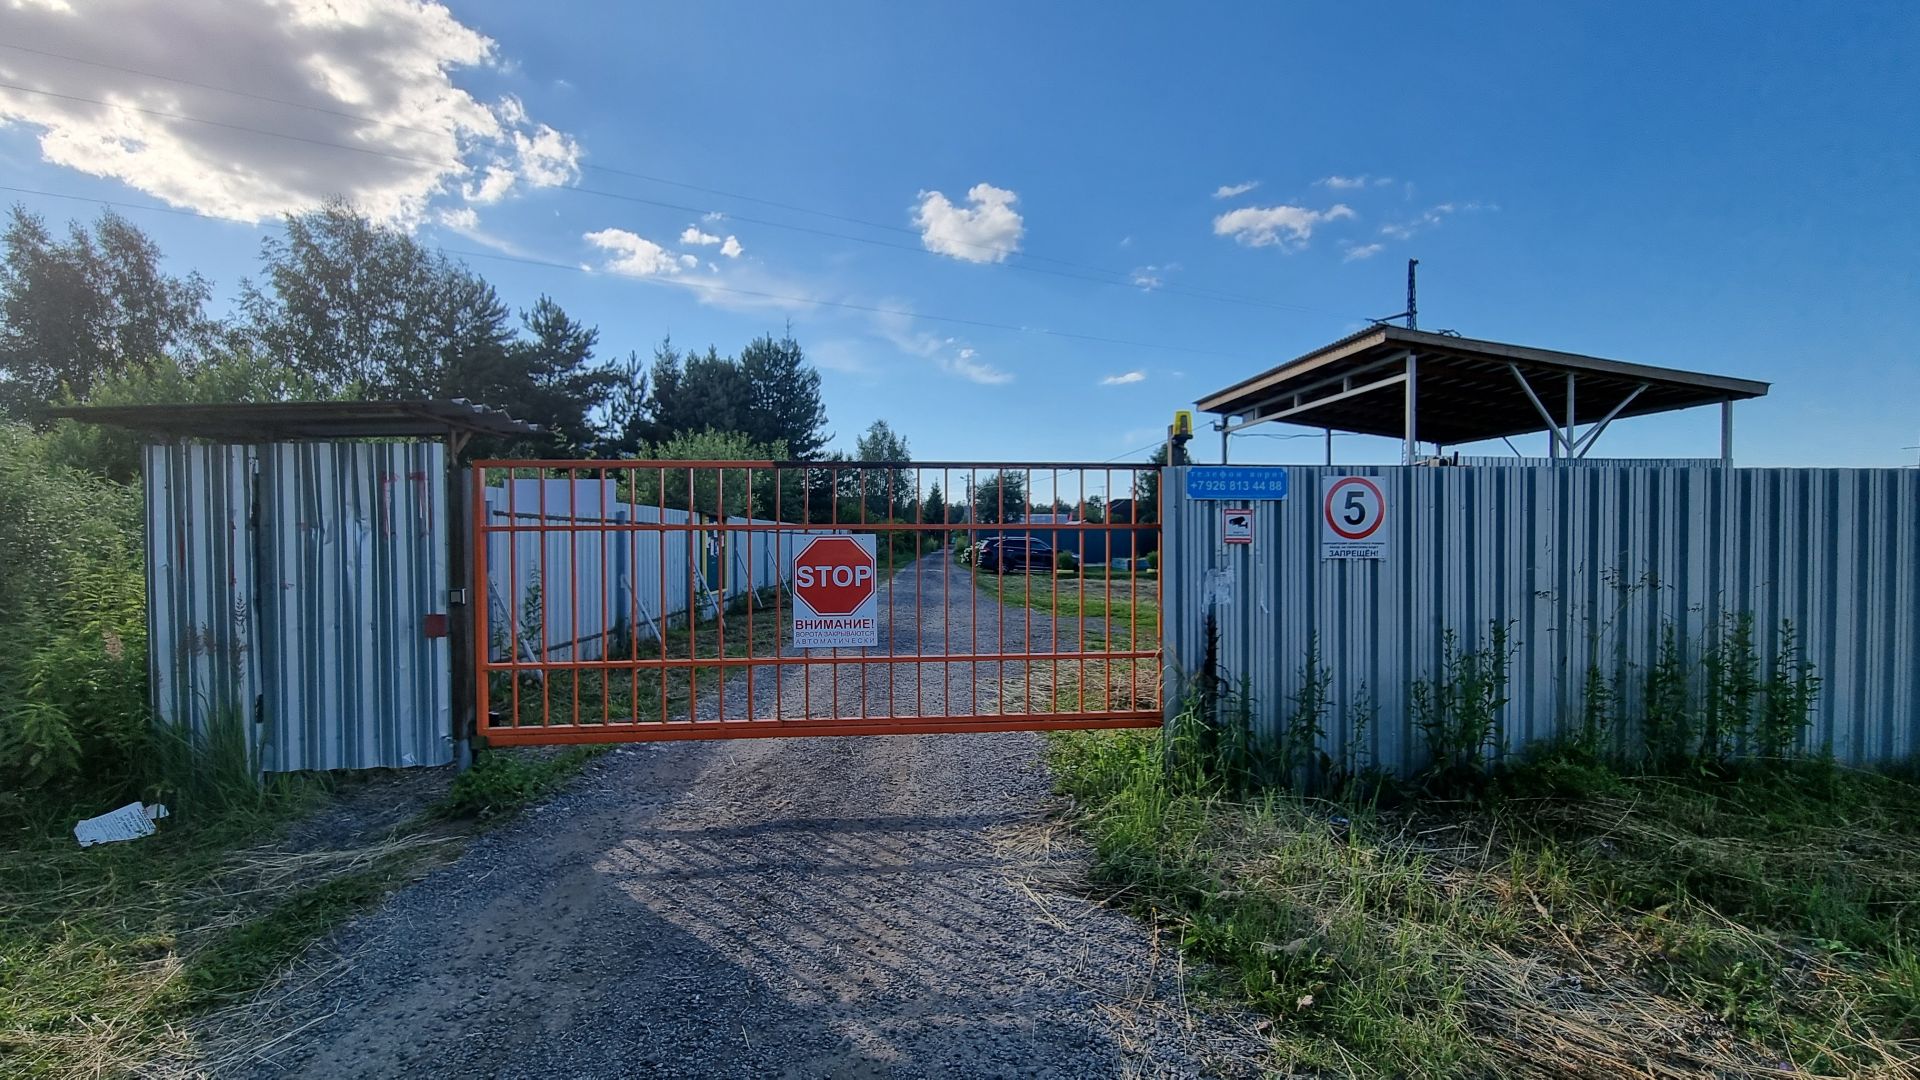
[[598, 681]]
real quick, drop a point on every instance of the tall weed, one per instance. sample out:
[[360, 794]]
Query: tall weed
[[1460, 710], [73, 643]]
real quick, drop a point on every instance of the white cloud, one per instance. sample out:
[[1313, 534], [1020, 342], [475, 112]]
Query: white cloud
[[1349, 183], [459, 218], [712, 216], [946, 353], [632, 254], [1429, 218], [743, 287], [845, 357], [987, 230], [374, 75], [465, 220], [693, 237], [963, 364], [1151, 277], [1228, 191], [1362, 251], [1288, 227], [1124, 378]]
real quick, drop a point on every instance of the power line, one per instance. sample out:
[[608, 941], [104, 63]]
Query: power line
[[692, 285], [1108, 276]]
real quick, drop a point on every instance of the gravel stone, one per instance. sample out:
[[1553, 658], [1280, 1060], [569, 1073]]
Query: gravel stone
[[877, 906]]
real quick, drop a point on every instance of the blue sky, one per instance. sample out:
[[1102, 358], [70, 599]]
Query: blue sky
[[1723, 189]]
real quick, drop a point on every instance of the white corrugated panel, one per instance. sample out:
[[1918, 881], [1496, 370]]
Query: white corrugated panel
[[353, 542], [290, 584], [200, 584], [1585, 566]]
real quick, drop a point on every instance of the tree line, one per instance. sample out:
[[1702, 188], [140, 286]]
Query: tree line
[[345, 308]]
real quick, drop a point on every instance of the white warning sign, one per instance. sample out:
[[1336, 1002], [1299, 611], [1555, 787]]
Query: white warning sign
[[1237, 524], [1353, 518]]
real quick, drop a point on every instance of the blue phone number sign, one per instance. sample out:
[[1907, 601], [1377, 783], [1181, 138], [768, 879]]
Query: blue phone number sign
[[1236, 482]]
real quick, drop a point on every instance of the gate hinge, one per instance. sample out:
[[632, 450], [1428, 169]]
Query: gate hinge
[[456, 596]]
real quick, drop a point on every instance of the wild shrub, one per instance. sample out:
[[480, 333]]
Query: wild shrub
[[1459, 710], [73, 642], [1667, 725], [1303, 760], [1786, 697], [503, 781], [1742, 712], [1733, 680]]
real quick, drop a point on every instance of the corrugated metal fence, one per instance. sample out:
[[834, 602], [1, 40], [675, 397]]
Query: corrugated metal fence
[[288, 587], [1585, 567], [584, 586]]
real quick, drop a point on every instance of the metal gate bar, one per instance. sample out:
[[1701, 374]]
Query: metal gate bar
[[669, 585]]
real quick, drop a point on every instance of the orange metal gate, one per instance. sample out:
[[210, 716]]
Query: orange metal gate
[[625, 601]]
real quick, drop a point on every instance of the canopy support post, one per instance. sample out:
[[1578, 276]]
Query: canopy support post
[[1586, 441], [1413, 408], [1568, 439]]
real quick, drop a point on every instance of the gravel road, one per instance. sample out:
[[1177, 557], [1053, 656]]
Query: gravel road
[[825, 907]]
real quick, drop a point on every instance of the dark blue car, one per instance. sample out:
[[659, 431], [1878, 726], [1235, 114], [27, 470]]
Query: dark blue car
[[1002, 554]]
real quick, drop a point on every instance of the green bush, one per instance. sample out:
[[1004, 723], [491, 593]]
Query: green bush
[[504, 781], [73, 643]]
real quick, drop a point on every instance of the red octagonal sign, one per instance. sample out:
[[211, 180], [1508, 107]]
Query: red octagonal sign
[[833, 575]]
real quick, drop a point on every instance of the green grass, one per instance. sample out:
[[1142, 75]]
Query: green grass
[[595, 695], [107, 953], [1129, 610], [1575, 922], [503, 781], [1117, 614]]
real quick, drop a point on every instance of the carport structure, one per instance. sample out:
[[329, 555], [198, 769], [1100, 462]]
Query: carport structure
[[1448, 390]]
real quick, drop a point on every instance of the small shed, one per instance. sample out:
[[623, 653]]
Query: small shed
[[301, 568]]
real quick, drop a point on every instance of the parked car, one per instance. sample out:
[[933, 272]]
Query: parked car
[[1002, 554]]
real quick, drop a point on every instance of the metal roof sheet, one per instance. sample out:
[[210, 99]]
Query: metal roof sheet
[[1466, 390], [301, 420]]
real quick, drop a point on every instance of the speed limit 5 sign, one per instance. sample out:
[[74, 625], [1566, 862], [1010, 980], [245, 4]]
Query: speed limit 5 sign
[[1353, 518]]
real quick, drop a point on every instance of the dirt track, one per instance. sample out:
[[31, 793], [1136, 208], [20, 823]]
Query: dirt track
[[878, 906]]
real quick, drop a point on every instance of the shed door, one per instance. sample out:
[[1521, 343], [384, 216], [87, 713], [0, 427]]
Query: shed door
[[352, 546]]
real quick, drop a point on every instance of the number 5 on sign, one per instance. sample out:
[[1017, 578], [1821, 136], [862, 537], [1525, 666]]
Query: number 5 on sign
[[1353, 518]]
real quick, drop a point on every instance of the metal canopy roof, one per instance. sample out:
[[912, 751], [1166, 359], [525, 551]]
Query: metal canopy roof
[[1464, 389], [299, 420]]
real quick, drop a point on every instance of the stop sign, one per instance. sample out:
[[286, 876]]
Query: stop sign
[[833, 575]]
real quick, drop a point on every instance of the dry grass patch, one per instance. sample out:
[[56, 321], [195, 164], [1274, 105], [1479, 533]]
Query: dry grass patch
[[1585, 935]]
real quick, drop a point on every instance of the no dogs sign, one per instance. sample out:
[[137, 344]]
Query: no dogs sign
[[1353, 518]]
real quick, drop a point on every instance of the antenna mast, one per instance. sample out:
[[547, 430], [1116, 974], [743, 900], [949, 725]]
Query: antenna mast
[[1413, 310], [1412, 314]]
